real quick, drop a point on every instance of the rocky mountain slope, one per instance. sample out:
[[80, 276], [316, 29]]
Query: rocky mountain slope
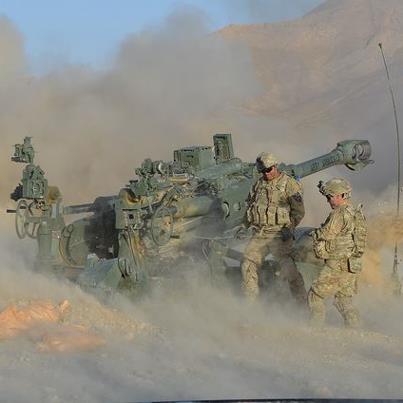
[[324, 73], [327, 55]]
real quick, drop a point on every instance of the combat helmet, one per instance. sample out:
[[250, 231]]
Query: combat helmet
[[335, 186], [265, 160]]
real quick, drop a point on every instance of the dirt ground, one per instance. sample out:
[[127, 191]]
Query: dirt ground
[[192, 341]]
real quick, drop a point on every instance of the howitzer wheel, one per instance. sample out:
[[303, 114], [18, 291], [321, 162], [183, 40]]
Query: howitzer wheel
[[70, 241], [162, 225], [23, 220], [20, 218], [31, 226]]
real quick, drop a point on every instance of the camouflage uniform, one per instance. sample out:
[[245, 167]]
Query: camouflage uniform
[[339, 241], [272, 207]]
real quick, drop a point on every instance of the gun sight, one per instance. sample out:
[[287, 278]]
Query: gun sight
[[24, 153]]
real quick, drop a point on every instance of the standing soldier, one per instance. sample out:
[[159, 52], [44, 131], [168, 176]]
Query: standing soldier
[[340, 241], [274, 208]]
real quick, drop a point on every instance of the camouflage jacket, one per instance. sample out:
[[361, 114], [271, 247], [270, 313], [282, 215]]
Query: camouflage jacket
[[335, 239], [275, 204]]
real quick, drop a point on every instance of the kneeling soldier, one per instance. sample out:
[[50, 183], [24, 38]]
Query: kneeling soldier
[[340, 241]]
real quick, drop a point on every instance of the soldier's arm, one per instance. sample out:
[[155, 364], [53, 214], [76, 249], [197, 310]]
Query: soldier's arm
[[248, 202], [331, 227], [250, 195], [296, 200]]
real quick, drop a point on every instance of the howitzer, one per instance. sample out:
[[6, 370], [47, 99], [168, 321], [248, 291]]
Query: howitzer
[[169, 208]]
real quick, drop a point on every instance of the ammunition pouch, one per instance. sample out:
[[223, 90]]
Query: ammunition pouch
[[267, 216], [263, 216], [337, 264], [283, 216], [320, 250], [340, 248], [354, 265], [269, 207]]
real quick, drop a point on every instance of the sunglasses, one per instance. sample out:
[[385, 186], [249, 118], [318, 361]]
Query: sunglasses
[[267, 170], [328, 197]]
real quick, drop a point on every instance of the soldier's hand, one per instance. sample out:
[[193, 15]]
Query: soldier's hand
[[287, 234], [241, 232]]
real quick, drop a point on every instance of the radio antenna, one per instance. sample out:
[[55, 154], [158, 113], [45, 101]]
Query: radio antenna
[[397, 286]]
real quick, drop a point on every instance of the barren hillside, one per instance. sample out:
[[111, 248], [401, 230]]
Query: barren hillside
[[324, 74], [327, 54]]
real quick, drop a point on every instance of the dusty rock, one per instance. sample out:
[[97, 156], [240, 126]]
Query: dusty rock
[[16, 319]]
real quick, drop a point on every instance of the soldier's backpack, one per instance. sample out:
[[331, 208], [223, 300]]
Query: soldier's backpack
[[360, 232]]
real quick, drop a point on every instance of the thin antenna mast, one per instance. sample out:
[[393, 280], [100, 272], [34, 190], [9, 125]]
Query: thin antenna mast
[[395, 274]]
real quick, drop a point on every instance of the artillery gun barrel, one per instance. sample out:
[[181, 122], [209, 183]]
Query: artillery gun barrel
[[100, 205], [79, 208], [354, 154]]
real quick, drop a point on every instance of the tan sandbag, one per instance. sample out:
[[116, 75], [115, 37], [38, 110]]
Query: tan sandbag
[[15, 319], [69, 338]]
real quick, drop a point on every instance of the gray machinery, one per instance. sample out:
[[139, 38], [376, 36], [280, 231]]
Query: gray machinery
[[190, 205]]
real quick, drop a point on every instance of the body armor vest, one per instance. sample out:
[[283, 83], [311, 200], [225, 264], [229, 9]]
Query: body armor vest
[[269, 206], [350, 242]]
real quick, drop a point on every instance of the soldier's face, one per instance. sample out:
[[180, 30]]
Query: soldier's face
[[335, 200], [271, 173]]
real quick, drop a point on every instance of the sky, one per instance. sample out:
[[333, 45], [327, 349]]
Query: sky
[[88, 32]]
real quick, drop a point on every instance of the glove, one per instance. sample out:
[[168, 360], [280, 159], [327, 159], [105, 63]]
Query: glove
[[287, 234], [241, 232]]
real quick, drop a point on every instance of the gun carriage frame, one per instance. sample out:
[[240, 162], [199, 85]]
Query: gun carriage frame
[[196, 201]]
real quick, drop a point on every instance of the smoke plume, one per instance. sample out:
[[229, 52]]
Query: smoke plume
[[168, 87]]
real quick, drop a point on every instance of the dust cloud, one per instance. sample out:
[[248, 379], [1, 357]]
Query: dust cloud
[[167, 87], [192, 340]]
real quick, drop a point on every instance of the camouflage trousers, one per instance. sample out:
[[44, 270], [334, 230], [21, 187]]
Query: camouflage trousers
[[255, 253], [334, 280]]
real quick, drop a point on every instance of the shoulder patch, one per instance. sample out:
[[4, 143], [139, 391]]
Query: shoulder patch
[[293, 186], [297, 197]]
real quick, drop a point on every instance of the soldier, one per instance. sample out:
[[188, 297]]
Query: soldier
[[340, 241], [274, 208]]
